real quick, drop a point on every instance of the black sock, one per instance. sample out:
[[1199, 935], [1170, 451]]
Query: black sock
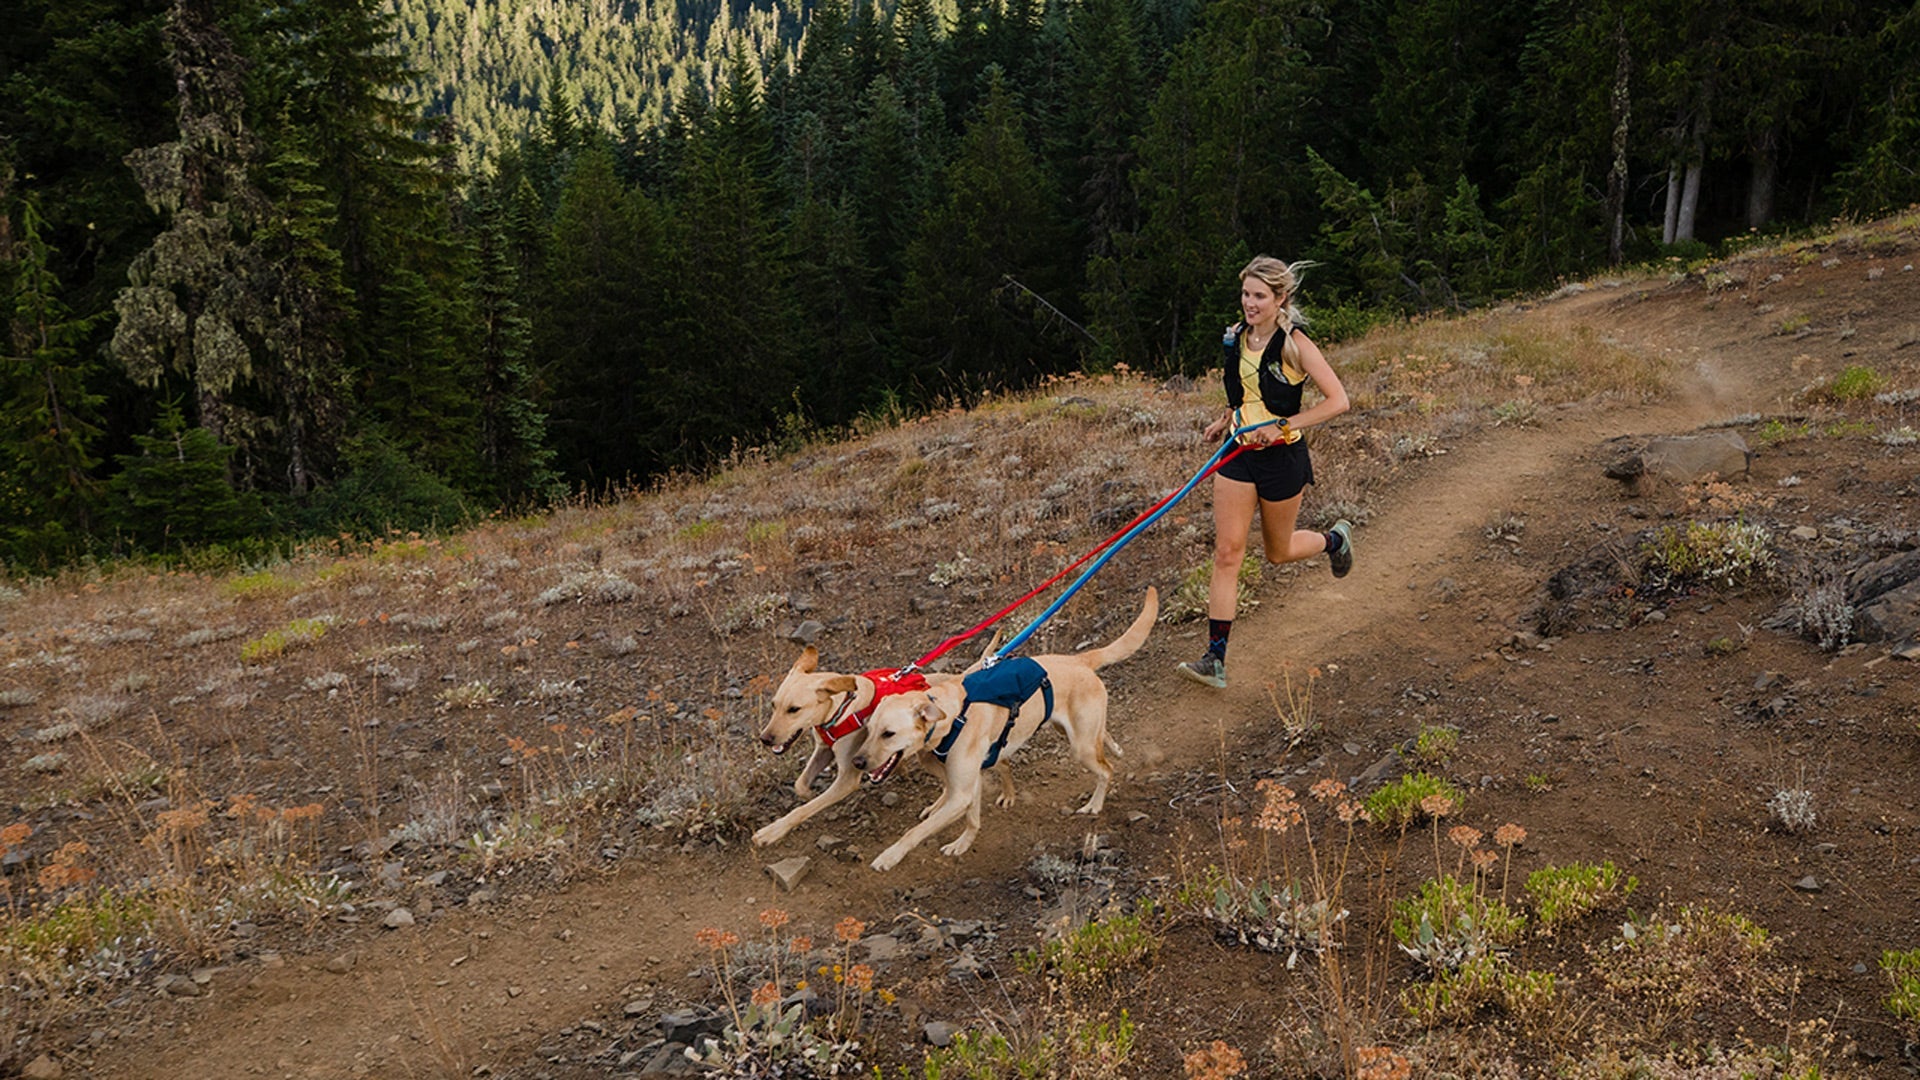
[[1217, 631], [1333, 542]]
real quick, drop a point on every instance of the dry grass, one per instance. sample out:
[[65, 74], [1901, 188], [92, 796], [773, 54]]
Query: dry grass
[[193, 710]]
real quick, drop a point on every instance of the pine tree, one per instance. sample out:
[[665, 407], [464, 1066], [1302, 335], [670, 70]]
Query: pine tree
[[984, 275], [1220, 158], [173, 491], [512, 427], [594, 321], [49, 412], [184, 305]]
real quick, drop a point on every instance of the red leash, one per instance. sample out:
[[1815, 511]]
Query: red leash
[[944, 647]]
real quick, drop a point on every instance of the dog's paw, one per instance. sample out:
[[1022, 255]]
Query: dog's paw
[[958, 847], [1090, 808], [887, 860], [768, 835]]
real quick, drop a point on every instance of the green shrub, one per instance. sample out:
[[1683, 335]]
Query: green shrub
[[1699, 553], [1455, 996], [1777, 431], [261, 585], [1398, 804], [1436, 743], [1099, 953], [1450, 922], [1903, 970], [384, 489], [1562, 894], [1855, 383], [296, 634]]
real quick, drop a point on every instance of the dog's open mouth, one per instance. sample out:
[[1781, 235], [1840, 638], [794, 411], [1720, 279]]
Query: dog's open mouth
[[885, 769], [781, 748]]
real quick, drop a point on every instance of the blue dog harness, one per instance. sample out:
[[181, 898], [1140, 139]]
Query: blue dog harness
[[1006, 684]]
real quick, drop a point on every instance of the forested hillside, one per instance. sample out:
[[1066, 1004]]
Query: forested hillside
[[253, 294], [493, 66]]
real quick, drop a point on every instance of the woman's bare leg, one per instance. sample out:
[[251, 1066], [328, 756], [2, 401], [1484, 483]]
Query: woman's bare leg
[[1234, 503], [1283, 542]]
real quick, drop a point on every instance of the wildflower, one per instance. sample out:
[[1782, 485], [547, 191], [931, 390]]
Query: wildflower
[[1352, 810], [1484, 858], [1436, 806], [14, 835], [1216, 1062], [773, 918], [860, 977], [714, 938], [801, 944], [849, 929], [1327, 788], [766, 994], [1465, 836], [1381, 1063], [1509, 834], [887, 997]]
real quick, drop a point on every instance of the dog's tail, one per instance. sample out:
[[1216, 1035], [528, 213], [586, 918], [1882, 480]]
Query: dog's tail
[[1128, 643]]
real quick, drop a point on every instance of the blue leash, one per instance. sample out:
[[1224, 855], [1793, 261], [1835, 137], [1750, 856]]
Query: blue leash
[[1226, 449]]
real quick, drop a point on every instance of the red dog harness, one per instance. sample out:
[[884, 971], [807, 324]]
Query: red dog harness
[[886, 683]]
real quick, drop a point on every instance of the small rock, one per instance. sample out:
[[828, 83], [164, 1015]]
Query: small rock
[[684, 1026], [882, 947], [890, 799], [179, 986], [1805, 532], [43, 1068], [638, 1007], [787, 873], [1808, 884], [671, 1061], [1353, 749], [481, 896], [1135, 817], [807, 633], [1859, 968], [941, 1033], [343, 963], [397, 918], [966, 967], [829, 843]]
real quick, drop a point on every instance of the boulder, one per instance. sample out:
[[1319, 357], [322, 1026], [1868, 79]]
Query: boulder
[[1682, 459]]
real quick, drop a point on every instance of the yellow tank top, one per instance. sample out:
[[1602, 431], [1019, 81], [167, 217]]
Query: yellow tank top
[[1253, 409]]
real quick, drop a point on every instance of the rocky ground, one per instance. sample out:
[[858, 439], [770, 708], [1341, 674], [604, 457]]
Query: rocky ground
[[1496, 593]]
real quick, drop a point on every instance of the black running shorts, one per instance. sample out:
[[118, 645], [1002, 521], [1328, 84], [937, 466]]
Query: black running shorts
[[1277, 473]]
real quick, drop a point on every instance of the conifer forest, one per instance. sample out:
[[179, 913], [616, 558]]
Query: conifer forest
[[273, 271]]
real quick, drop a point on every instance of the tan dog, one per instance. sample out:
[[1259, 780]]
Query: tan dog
[[807, 700], [909, 725]]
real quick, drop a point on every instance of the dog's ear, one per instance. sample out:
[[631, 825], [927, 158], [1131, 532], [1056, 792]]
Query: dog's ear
[[929, 713], [839, 684], [809, 660]]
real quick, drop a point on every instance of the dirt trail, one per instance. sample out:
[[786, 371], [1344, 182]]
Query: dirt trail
[[483, 987]]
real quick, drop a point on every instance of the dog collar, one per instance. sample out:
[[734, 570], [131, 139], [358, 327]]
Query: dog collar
[[886, 683]]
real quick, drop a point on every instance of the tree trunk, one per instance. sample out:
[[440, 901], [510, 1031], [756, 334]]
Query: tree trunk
[[1764, 179], [1672, 223], [1617, 176], [1689, 202]]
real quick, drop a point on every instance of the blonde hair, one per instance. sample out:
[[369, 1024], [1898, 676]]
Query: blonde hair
[[1284, 279]]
